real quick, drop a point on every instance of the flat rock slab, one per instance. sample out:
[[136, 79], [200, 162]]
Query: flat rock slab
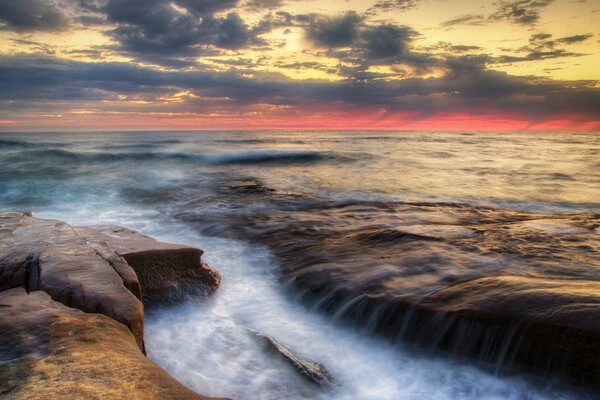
[[167, 272], [51, 351], [50, 256]]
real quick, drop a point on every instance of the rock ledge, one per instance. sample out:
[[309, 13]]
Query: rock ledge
[[72, 317]]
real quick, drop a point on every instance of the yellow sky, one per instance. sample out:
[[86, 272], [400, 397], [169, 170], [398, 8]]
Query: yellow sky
[[544, 50], [560, 18]]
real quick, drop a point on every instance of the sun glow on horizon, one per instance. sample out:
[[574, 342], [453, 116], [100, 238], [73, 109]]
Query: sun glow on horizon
[[302, 65]]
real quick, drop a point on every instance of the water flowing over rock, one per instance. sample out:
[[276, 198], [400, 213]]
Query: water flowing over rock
[[511, 289], [72, 319]]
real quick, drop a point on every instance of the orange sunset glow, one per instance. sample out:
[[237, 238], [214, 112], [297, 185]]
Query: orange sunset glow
[[288, 64]]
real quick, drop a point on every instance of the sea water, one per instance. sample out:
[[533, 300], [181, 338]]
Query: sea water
[[144, 179]]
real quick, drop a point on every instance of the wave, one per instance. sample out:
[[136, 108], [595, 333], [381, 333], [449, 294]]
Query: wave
[[267, 156], [248, 157], [141, 145], [7, 143]]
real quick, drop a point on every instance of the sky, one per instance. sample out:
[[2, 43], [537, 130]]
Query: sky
[[291, 64]]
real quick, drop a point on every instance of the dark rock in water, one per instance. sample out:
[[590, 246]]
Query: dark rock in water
[[248, 186], [51, 351], [511, 289], [310, 370], [167, 272]]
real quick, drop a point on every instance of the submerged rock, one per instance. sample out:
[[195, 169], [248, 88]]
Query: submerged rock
[[508, 288], [308, 369], [71, 315]]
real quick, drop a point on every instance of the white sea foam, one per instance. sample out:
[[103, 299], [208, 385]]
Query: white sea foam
[[208, 345]]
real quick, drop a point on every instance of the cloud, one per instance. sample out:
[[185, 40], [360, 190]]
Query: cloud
[[207, 7], [386, 41], [392, 5], [360, 45], [442, 78], [333, 32], [522, 12], [575, 38], [542, 46], [467, 88], [167, 32], [31, 15], [263, 4], [470, 19]]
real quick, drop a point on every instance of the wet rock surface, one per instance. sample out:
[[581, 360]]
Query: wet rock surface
[[167, 272], [508, 288], [71, 315], [311, 370]]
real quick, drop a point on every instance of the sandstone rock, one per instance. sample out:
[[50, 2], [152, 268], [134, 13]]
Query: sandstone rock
[[167, 272], [49, 255], [50, 351], [310, 370], [71, 316]]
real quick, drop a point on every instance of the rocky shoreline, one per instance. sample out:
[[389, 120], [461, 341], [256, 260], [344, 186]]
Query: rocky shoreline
[[511, 290], [72, 309]]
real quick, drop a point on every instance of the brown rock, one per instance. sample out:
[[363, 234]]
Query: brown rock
[[50, 351], [508, 288], [167, 272], [49, 255]]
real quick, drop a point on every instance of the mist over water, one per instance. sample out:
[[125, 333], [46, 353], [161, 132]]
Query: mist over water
[[144, 180]]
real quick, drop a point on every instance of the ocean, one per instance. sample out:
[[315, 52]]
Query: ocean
[[230, 192]]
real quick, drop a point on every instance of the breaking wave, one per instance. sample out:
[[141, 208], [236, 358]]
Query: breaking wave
[[246, 157]]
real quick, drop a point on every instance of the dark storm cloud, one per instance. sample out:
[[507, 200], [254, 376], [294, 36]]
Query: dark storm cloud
[[351, 40], [31, 15], [523, 12], [333, 32], [468, 87], [386, 41], [168, 32]]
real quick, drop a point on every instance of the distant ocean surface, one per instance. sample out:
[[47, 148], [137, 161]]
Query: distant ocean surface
[[529, 171], [144, 180]]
